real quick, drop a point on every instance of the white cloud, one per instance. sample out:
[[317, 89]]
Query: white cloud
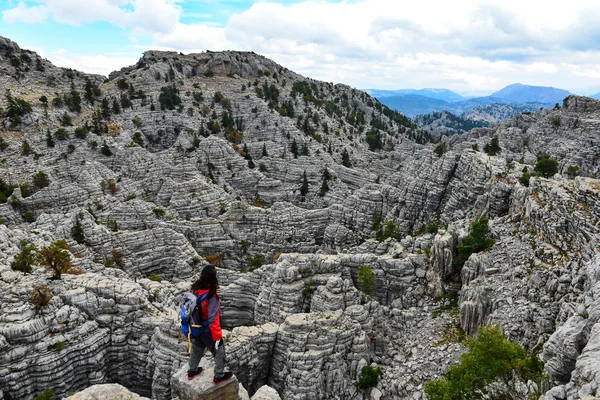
[[29, 15], [99, 64], [140, 15], [464, 45]]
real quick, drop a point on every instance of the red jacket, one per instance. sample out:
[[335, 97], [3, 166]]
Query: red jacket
[[210, 310]]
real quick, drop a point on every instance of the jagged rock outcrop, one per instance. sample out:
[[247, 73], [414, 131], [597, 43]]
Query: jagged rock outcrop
[[202, 387], [106, 391]]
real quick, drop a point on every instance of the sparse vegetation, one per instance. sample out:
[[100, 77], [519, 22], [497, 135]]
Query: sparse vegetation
[[56, 346], [155, 278], [368, 379], [57, 259], [491, 358], [26, 258], [366, 279], [476, 241], [546, 166], [40, 296], [441, 148], [493, 147]]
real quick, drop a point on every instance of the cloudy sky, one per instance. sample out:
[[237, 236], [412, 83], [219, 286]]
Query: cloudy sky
[[469, 46]]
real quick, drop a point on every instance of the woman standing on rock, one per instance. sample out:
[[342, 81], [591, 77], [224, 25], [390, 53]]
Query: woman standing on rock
[[209, 307]]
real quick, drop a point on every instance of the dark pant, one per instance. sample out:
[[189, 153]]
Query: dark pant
[[199, 346]]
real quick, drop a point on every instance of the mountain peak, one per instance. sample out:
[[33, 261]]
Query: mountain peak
[[520, 93]]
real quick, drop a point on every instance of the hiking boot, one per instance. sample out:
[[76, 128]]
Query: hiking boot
[[222, 378], [194, 373]]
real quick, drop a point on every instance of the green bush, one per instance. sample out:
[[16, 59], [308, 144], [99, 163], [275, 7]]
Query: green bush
[[81, 132], [29, 216], [493, 147], [491, 357], [366, 279], [476, 241], [26, 258], [159, 212], [105, 150], [6, 191], [77, 231], [47, 394], [524, 179], [441, 149], [368, 378], [40, 180], [546, 166], [257, 261], [155, 278], [16, 109], [58, 346], [389, 231], [26, 148]]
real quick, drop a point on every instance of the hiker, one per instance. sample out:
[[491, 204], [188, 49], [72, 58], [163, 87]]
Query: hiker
[[211, 338]]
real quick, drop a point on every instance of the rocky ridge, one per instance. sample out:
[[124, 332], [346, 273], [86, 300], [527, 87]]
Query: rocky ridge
[[158, 193]]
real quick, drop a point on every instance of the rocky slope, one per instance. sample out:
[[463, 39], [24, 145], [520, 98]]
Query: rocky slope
[[497, 112], [229, 158], [447, 123]]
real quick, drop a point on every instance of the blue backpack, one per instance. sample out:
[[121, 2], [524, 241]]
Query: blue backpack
[[192, 324]]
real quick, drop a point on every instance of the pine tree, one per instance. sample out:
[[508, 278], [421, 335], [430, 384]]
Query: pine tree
[[295, 148], [346, 159], [264, 150], [304, 187]]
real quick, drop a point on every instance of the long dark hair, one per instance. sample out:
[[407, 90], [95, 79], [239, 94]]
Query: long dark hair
[[208, 280]]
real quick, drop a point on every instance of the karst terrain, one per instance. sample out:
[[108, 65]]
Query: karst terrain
[[291, 186]]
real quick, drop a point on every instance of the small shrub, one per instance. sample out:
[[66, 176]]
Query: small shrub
[[26, 258], [25, 148], [491, 358], [256, 261], [524, 179], [57, 259], [441, 148], [40, 297], [214, 259], [155, 278], [366, 279], [368, 378], [47, 394], [58, 346], [112, 225], [81, 132], [546, 166], [66, 120], [476, 241], [105, 150], [40, 180], [159, 212], [493, 147], [29, 216], [77, 231]]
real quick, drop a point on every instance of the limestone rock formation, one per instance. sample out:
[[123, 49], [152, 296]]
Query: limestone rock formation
[[290, 186]]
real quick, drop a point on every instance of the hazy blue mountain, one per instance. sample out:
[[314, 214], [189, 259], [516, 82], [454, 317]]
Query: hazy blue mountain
[[412, 105], [519, 94], [439, 94], [596, 96]]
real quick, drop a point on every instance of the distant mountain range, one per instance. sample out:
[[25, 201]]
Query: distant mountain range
[[596, 96], [413, 102], [520, 94], [439, 94]]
